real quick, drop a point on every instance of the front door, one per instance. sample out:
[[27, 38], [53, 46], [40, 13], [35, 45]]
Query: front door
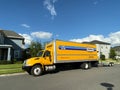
[[47, 58]]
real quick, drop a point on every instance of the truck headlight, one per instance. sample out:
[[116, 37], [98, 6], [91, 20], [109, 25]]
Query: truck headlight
[[25, 63]]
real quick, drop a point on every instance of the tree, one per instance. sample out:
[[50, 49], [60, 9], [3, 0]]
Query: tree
[[112, 53], [34, 47], [102, 57]]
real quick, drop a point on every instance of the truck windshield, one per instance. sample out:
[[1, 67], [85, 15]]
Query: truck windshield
[[40, 54]]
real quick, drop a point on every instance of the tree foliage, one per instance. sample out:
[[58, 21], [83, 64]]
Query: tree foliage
[[34, 48], [102, 57], [112, 53]]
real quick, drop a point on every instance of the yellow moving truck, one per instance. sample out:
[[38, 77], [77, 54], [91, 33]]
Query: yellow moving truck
[[59, 53]]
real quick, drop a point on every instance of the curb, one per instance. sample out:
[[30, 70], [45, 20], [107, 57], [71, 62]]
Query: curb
[[14, 74]]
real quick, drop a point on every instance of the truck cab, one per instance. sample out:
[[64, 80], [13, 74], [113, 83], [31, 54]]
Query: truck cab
[[36, 65]]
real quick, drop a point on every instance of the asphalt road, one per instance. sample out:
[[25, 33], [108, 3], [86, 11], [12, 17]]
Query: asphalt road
[[102, 78]]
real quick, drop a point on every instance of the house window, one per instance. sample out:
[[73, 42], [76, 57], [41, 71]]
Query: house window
[[106, 47], [16, 53], [101, 47]]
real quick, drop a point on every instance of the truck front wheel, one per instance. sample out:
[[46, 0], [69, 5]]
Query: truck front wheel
[[36, 70]]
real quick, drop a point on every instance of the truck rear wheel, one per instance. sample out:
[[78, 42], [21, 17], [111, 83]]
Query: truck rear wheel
[[85, 66], [95, 64], [36, 70]]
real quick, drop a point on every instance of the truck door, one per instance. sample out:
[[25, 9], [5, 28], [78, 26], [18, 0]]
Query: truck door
[[47, 58]]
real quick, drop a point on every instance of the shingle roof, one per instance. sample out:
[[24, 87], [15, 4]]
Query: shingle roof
[[97, 42], [11, 34]]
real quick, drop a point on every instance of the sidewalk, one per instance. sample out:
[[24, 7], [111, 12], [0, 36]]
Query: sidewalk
[[14, 74]]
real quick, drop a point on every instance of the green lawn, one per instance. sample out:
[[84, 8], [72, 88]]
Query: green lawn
[[17, 68], [110, 60], [10, 68]]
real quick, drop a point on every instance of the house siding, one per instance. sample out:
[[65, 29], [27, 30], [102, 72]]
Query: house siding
[[103, 49], [1, 39], [17, 46], [16, 43]]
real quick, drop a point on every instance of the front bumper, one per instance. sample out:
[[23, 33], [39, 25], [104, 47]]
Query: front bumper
[[26, 68]]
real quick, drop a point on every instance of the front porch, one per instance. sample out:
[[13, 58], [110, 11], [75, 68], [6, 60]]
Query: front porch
[[5, 52]]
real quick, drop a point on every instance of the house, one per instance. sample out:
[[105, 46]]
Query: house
[[11, 45], [103, 48]]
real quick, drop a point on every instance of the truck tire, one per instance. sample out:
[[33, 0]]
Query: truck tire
[[110, 64], [95, 64], [36, 70], [85, 66], [90, 66]]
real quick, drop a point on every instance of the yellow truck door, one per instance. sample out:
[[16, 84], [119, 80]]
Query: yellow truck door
[[47, 58]]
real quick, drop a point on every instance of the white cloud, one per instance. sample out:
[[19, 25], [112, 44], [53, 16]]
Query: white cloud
[[113, 38], [36, 35], [89, 38], [41, 35], [28, 38], [25, 25], [95, 2], [49, 4]]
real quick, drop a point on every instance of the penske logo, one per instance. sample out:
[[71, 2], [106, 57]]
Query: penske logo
[[76, 48]]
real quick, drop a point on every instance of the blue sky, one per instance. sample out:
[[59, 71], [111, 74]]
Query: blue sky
[[70, 20]]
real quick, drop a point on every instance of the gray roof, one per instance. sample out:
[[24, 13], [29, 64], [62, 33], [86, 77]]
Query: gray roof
[[11, 34], [97, 42]]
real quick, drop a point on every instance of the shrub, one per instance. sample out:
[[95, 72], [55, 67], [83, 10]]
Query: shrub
[[5, 62], [102, 57], [10, 62], [18, 62]]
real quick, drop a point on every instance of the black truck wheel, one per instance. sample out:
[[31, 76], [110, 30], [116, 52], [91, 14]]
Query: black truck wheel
[[95, 64], [85, 66], [36, 70], [110, 64]]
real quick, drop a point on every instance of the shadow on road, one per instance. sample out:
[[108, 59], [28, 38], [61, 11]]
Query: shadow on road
[[107, 85]]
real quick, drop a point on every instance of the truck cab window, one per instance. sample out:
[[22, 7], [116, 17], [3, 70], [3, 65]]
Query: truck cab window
[[46, 54], [39, 54]]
